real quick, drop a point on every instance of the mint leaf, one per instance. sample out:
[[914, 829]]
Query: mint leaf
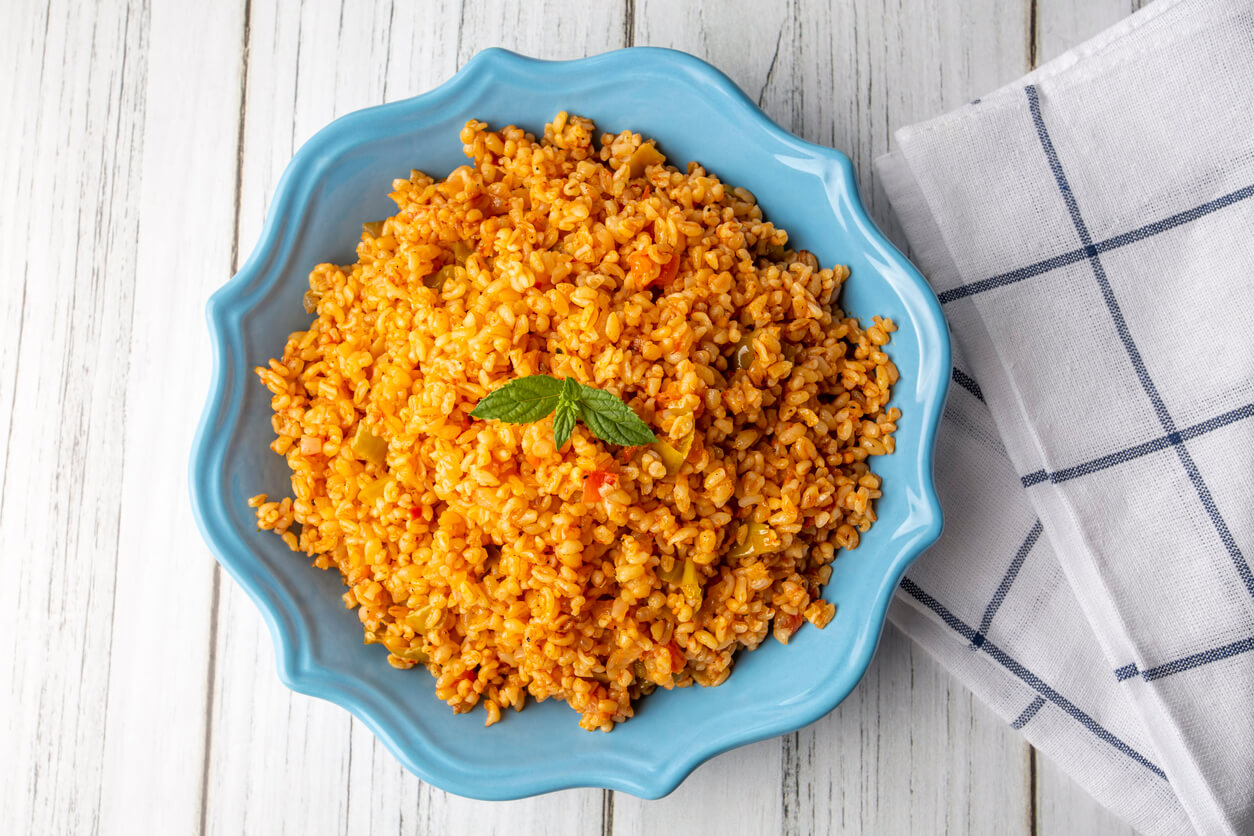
[[567, 411], [570, 391], [522, 400], [612, 420], [564, 422]]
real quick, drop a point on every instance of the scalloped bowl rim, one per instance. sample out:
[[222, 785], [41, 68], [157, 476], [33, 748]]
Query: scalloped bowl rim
[[297, 666]]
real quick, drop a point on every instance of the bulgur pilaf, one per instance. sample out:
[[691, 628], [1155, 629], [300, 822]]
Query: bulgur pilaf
[[593, 573]]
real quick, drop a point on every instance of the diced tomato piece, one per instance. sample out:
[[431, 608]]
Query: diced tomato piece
[[641, 267], [647, 272], [497, 205], [787, 625], [669, 271], [598, 485], [678, 660]]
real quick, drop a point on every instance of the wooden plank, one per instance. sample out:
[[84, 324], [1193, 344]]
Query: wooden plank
[[761, 61], [23, 60], [281, 761], [156, 729], [1062, 806], [552, 29], [1062, 24], [869, 70], [738, 792], [73, 134], [847, 75], [911, 751]]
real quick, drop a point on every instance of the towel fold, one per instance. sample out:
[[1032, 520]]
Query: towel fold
[[1089, 231]]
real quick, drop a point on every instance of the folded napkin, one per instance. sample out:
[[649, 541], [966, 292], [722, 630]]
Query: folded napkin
[[1089, 231]]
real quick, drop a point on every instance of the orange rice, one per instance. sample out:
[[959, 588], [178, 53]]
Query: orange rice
[[504, 565]]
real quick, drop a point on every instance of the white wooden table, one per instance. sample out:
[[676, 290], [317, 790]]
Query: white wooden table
[[141, 142]]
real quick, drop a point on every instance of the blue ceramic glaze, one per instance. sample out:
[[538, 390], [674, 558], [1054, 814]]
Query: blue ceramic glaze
[[341, 178]]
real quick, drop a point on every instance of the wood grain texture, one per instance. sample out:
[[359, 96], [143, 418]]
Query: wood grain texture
[[910, 732], [158, 724], [1063, 807], [142, 145], [71, 221], [1063, 24]]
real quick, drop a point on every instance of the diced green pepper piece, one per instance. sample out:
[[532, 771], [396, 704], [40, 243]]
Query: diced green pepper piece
[[644, 156], [742, 354], [691, 583], [423, 618], [374, 491], [368, 446], [675, 574], [759, 539], [414, 654], [436, 280], [674, 455]]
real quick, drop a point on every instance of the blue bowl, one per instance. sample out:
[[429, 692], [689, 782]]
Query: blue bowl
[[341, 178]]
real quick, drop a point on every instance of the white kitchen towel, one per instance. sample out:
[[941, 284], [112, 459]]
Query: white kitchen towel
[[1089, 231]]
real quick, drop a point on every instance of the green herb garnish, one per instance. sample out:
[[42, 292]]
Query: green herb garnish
[[525, 400], [567, 410]]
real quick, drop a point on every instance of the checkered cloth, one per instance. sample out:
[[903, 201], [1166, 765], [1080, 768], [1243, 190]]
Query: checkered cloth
[[1090, 233]]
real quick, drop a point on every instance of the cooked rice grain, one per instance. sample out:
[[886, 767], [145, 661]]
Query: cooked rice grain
[[466, 545]]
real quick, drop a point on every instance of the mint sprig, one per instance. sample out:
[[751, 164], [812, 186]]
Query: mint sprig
[[525, 400]]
